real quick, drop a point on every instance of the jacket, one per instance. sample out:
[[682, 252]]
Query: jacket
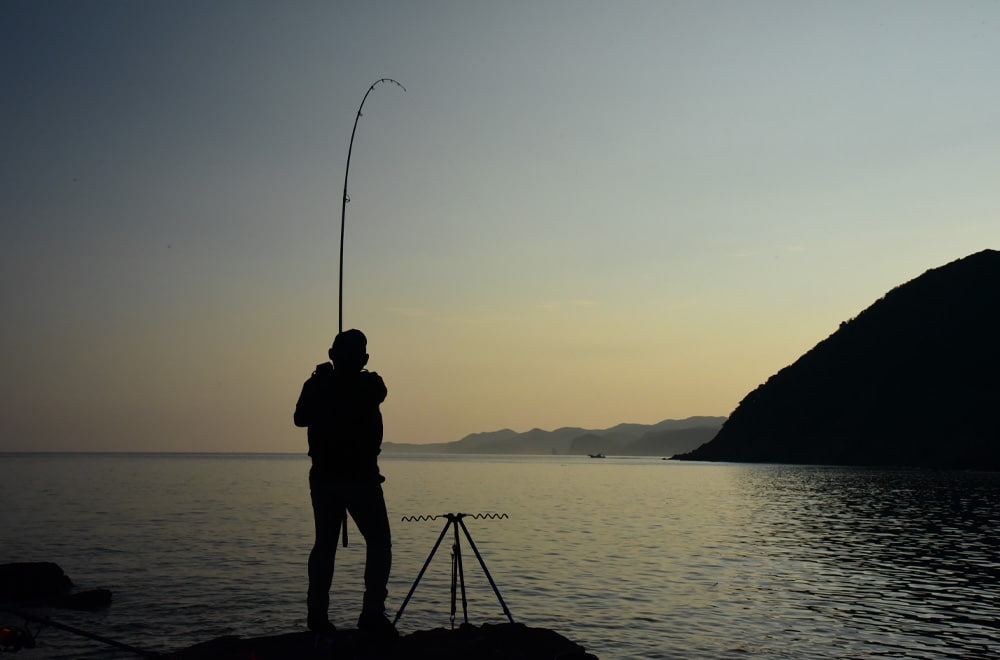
[[340, 410]]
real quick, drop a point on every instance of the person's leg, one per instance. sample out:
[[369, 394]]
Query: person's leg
[[367, 507], [327, 513]]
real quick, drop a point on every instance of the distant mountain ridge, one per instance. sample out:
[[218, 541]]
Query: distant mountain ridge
[[914, 380], [666, 438]]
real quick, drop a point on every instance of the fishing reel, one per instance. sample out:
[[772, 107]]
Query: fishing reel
[[13, 639]]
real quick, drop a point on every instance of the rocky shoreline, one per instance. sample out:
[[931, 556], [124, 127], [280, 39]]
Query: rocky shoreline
[[45, 583], [506, 641]]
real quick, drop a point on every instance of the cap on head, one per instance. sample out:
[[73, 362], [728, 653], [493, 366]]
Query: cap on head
[[350, 349]]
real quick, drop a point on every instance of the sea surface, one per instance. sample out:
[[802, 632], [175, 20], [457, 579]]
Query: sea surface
[[630, 557]]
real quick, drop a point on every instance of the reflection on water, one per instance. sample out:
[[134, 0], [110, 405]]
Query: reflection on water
[[633, 558], [902, 561]]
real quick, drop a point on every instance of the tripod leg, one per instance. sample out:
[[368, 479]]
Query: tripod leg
[[454, 580], [485, 570], [423, 570], [461, 579]]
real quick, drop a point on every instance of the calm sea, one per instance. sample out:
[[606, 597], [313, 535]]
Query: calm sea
[[632, 558]]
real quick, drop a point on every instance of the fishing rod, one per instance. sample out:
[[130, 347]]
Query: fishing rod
[[346, 199], [15, 639]]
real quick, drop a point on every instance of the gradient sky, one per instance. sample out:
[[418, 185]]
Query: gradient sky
[[578, 214]]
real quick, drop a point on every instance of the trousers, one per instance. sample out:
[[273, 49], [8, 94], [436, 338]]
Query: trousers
[[365, 502]]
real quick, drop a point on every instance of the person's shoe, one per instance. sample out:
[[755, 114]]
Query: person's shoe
[[377, 625], [320, 625]]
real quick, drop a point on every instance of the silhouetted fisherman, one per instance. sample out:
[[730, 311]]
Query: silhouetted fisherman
[[340, 406]]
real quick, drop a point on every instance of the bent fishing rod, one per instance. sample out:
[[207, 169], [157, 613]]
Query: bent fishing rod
[[346, 199]]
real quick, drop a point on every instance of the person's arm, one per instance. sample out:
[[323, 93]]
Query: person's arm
[[304, 406], [376, 387]]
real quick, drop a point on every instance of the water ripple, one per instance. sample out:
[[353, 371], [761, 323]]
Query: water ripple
[[632, 558]]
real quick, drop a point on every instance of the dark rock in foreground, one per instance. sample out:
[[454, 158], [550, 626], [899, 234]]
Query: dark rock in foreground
[[44, 583], [499, 642], [912, 381]]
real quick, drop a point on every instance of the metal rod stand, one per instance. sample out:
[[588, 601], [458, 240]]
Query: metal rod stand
[[457, 570]]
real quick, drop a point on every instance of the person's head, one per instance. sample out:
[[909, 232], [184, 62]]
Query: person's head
[[349, 350]]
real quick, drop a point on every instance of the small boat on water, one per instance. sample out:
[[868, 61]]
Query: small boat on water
[[597, 455]]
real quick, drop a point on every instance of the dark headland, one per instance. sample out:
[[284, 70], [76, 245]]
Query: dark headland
[[913, 380]]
